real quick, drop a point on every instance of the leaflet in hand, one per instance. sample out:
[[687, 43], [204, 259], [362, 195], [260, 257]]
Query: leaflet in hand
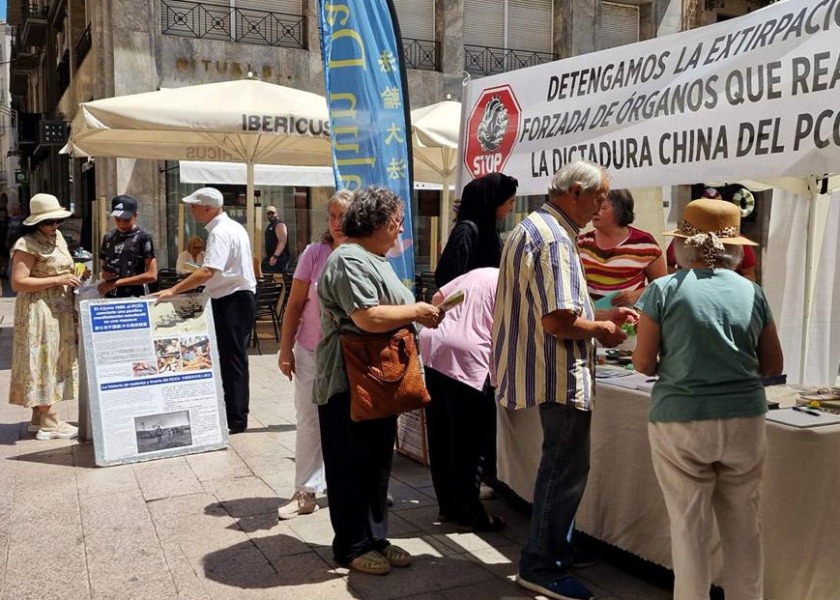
[[452, 301]]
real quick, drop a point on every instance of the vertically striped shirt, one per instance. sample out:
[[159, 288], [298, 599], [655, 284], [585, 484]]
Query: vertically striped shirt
[[541, 273], [619, 268]]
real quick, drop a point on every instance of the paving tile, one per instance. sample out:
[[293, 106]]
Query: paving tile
[[220, 464], [489, 590], [244, 496], [107, 481], [188, 585], [166, 477]]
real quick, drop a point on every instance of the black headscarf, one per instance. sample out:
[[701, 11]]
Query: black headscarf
[[465, 250]]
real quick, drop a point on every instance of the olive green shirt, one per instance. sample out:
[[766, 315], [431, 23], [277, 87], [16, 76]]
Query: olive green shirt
[[352, 279]]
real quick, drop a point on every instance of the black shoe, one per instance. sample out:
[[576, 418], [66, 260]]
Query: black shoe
[[390, 500], [584, 559], [235, 430]]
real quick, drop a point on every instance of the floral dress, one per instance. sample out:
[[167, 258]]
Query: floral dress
[[44, 367]]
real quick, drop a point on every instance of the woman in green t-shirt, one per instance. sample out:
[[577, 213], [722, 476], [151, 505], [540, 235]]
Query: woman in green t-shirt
[[709, 335], [359, 292]]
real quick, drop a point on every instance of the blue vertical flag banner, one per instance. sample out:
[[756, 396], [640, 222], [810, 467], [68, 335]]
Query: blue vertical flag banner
[[367, 93]]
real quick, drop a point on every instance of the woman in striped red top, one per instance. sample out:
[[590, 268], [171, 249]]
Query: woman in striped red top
[[616, 257]]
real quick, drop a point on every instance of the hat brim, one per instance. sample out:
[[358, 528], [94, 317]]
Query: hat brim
[[53, 214], [123, 214], [733, 241]]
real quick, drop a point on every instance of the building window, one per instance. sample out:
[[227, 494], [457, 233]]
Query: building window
[[502, 35], [417, 26], [619, 24]]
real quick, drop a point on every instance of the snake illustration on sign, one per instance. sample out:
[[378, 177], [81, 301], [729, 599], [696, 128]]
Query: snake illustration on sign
[[492, 129]]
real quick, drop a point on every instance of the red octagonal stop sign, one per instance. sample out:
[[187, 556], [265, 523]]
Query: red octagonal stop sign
[[492, 129]]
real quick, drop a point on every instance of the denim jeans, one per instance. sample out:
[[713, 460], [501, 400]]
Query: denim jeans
[[561, 479]]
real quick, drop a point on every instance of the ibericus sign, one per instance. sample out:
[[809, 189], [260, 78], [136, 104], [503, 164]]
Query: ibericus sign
[[492, 129]]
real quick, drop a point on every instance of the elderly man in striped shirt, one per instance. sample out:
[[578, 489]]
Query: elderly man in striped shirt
[[543, 329]]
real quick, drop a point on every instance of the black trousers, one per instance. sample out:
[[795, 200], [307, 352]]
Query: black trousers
[[357, 461], [461, 427], [233, 316]]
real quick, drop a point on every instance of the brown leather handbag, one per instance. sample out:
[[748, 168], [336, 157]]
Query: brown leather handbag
[[384, 374]]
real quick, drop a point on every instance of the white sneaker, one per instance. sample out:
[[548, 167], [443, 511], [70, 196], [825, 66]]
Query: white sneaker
[[301, 503], [64, 431]]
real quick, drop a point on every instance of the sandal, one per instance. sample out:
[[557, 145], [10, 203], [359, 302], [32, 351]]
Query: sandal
[[372, 563], [396, 556], [493, 523]]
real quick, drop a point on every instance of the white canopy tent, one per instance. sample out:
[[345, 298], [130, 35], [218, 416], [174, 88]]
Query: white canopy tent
[[246, 121], [435, 131]]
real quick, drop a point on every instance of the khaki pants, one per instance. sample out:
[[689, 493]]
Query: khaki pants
[[712, 469]]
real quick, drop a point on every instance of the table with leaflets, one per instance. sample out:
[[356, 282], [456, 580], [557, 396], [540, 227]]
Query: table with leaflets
[[624, 507]]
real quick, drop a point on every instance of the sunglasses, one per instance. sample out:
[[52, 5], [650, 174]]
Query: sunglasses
[[51, 222]]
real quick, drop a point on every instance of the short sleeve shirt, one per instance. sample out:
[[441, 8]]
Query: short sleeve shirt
[[710, 322], [309, 267], [541, 273], [352, 279], [125, 255], [460, 347], [229, 254]]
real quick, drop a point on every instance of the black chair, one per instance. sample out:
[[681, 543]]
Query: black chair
[[270, 294], [166, 279]]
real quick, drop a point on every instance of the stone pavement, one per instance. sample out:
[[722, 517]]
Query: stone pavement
[[204, 526]]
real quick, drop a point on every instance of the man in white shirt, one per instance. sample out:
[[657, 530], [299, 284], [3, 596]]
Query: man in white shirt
[[227, 275]]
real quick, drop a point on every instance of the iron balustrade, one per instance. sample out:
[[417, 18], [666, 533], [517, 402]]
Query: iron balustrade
[[486, 60], [33, 9], [421, 54], [221, 22], [83, 46]]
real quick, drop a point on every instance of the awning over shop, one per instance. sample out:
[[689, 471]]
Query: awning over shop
[[227, 173]]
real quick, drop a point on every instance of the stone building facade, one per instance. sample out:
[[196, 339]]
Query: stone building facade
[[69, 51]]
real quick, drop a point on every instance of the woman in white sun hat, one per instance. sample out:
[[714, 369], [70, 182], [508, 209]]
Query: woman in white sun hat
[[44, 367], [709, 335]]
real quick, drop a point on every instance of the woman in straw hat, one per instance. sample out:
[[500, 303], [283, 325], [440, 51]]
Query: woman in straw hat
[[44, 368], [709, 335]]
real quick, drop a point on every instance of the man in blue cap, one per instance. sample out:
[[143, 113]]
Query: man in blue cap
[[127, 254]]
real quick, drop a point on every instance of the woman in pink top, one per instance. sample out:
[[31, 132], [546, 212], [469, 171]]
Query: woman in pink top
[[461, 418], [301, 334]]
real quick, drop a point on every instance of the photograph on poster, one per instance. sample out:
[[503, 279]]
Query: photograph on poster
[[143, 369], [173, 318], [195, 353], [163, 431], [168, 354]]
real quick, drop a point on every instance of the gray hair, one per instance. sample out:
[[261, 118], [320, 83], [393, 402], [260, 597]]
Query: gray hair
[[342, 197], [369, 210], [729, 258], [583, 172]]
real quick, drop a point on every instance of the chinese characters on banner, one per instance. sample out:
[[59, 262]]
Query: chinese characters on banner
[[367, 95]]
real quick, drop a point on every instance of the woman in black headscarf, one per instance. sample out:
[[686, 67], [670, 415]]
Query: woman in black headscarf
[[474, 242]]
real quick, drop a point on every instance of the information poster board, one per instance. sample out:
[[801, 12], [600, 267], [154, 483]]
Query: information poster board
[[411, 436], [154, 379]]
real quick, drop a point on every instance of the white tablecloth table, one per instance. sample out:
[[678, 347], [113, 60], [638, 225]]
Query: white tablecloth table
[[623, 504]]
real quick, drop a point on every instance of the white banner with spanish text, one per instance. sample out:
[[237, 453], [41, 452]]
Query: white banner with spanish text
[[747, 98]]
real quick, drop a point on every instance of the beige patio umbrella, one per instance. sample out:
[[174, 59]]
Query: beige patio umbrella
[[435, 130], [247, 121]]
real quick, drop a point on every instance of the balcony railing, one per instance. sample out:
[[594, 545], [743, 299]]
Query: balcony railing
[[83, 46], [210, 21], [484, 60], [33, 9], [421, 54]]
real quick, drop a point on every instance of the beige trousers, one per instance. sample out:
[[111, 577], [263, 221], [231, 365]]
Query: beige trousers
[[712, 469]]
